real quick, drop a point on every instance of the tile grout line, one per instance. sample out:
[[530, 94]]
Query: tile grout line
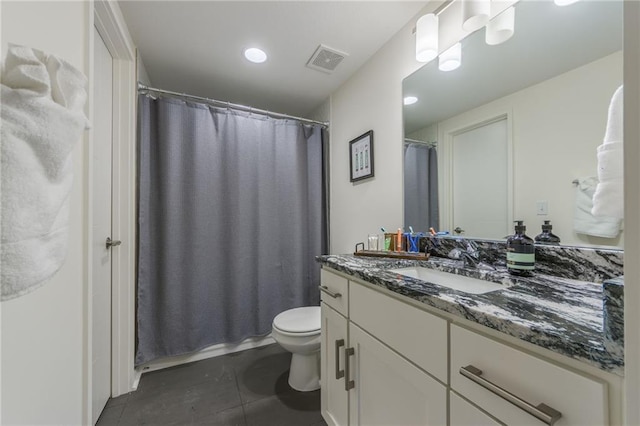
[[235, 377]]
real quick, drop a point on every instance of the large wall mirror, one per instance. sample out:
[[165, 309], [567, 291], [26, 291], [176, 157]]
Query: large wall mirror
[[506, 136]]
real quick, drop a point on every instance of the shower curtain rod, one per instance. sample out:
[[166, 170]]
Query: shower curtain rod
[[147, 89], [431, 144]]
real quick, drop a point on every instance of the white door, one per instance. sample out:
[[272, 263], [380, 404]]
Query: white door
[[334, 397], [388, 389], [101, 229], [480, 181]]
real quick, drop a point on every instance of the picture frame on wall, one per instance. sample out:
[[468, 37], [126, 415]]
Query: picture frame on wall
[[361, 157]]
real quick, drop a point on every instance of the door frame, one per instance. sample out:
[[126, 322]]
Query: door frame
[[107, 18]]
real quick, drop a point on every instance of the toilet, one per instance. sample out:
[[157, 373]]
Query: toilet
[[298, 331]]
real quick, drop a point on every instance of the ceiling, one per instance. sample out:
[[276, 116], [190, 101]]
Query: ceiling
[[197, 47]]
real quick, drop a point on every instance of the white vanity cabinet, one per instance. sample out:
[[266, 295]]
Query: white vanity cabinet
[[482, 369], [363, 380], [334, 333], [390, 362]]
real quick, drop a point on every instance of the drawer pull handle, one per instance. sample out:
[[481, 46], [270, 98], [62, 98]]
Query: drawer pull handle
[[541, 411], [325, 289], [348, 384], [339, 373]]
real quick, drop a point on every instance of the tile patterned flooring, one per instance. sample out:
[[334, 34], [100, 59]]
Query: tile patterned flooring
[[247, 388]]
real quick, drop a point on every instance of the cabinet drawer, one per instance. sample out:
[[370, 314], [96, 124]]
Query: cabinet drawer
[[580, 400], [335, 291], [464, 414], [415, 334]]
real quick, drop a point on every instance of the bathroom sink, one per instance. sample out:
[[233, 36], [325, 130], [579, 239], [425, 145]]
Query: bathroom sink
[[452, 281]]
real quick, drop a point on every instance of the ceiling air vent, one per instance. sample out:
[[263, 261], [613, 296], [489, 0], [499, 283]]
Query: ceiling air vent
[[325, 59]]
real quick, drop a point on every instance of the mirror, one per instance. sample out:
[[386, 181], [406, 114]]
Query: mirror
[[515, 125]]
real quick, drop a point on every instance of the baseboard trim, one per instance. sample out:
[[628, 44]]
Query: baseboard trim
[[210, 352]]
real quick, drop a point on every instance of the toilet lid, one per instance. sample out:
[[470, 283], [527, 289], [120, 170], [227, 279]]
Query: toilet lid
[[298, 320]]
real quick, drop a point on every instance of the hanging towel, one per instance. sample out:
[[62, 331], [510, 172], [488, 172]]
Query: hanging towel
[[608, 199], [584, 222], [42, 119]]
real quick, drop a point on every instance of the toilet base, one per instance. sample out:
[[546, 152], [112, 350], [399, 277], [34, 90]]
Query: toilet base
[[303, 373]]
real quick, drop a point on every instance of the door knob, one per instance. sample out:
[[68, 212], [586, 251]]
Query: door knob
[[112, 243]]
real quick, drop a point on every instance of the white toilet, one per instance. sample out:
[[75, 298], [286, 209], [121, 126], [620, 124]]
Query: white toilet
[[298, 331]]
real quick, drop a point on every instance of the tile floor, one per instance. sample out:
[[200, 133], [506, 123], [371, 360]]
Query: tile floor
[[247, 388]]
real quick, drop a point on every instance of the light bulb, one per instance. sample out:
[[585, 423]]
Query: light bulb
[[255, 55], [475, 14], [427, 38], [501, 27], [451, 58]]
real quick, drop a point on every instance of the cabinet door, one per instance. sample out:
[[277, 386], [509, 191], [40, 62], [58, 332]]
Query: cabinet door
[[464, 414], [334, 397], [388, 389], [417, 335]]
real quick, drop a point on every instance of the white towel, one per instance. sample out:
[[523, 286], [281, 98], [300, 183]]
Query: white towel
[[584, 222], [608, 199], [42, 120]]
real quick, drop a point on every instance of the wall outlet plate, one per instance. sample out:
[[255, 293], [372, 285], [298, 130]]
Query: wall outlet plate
[[542, 208]]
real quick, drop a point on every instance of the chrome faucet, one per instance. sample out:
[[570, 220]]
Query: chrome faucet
[[467, 252]]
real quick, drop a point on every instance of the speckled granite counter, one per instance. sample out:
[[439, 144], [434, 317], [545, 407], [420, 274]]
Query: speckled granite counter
[[559, 314]]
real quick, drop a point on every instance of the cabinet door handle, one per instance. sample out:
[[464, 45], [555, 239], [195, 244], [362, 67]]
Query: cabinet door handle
[[325, 289], [339, 373], [541, 411], [348, 384]]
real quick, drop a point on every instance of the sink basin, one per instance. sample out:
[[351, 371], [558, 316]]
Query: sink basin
[[452, 281]]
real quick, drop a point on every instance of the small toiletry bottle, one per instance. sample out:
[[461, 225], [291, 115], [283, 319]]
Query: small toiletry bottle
[[520, 252], [547, 237], [399, 240]]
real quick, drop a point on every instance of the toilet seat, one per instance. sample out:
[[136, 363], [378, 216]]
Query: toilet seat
[[303, 321]]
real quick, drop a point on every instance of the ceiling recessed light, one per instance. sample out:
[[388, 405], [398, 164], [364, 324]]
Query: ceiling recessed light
[[255, 55], [410, 100]]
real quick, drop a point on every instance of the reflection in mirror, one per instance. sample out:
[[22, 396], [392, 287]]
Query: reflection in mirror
[[515, 125]]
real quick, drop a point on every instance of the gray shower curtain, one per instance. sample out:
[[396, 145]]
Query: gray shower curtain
[[230, 218], [421, 187]]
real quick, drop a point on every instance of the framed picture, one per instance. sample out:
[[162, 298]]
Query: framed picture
[[361, 157]]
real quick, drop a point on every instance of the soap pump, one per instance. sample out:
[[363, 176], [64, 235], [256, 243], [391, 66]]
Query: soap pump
[[520, 252], [547, 237]]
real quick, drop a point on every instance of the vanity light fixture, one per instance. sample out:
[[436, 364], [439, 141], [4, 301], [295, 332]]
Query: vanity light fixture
[[255, 55], [564, 2], [427, 37], [475, 14], [451, 58], [501, 27], [410, 100]]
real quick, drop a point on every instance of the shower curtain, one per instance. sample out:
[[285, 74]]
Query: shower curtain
[[421, 187], [231, 214]]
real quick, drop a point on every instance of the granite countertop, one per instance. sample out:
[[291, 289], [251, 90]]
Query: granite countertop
[[559, 314]]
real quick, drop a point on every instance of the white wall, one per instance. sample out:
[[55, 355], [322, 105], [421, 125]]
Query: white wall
[[143, 77], [42, 332], [370, 100], [557, 126]]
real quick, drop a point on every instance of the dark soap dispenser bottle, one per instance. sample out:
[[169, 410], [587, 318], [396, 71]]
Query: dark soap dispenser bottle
[[547, 237], [520, 252]]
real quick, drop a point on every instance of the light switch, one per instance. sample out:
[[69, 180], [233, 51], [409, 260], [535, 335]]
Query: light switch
[[542, 208]]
